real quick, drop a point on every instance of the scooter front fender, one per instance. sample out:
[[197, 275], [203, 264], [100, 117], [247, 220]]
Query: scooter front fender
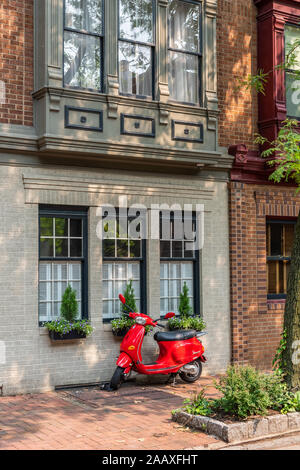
[[124, 361]]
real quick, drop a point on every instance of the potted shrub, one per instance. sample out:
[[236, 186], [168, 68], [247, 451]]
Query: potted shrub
[[121, 326], [68, 326], [186, 320]]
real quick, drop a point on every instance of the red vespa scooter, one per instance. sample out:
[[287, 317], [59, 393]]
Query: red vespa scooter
[[181, 352]]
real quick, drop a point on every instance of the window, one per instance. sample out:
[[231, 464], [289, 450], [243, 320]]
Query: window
[[280, 236], [124, 259], [184, 51], [83, 44], [136, 47], [292, 33], [63, 260], [179, 264]]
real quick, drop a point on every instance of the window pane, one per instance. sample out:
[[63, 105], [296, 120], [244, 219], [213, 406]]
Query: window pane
[[183, 77], [61, 227], [82, 61], [172, 279], [115, 278], [46, 226], [75, 228], [75, 248], [46, 248], [109, 250], [61, 248], [289, 239], [53, 281], [276, 240], [292, 95], [165, 249], [135, 69], [122, 249], [177, 249], [184, 25], [84, 14], [135, 249], [292, 34], [136, 20]]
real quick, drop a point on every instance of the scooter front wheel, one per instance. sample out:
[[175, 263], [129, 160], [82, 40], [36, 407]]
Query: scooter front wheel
[[191, 372], [117, 378]]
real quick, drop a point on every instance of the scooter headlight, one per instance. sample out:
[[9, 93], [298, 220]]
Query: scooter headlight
[[140, 320]]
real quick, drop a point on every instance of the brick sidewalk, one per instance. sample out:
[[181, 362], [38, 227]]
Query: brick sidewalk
[[138, 416]]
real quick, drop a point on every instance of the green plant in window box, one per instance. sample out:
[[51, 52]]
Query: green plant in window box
[[68, 326], [120, 326], [186, 320]]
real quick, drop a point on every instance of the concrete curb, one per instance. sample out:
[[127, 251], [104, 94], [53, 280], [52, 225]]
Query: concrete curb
[[241, 432]]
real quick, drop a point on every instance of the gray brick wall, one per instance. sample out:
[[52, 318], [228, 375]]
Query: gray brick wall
[[33, 364]]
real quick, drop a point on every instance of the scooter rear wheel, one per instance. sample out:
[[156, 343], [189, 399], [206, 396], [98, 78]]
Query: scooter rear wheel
[[194, 376], [117, 378]]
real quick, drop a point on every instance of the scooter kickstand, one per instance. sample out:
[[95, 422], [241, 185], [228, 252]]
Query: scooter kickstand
[[173, 379]]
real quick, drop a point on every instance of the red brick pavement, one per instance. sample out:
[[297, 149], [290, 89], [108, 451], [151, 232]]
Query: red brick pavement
[[138, 416]]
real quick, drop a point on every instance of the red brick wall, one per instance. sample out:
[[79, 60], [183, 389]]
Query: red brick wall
[[256, 323], [16, 60], [237, 58]]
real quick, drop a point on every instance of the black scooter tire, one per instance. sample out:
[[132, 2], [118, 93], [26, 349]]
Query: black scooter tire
[[117, 378], [188, 379]]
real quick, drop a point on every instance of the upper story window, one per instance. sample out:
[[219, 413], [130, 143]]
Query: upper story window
[[139, 54], [136, 47], [184, 51], [292, 33], [83, 44]]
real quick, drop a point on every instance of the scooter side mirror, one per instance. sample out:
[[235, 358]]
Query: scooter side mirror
[[122, 299], [169, 315]]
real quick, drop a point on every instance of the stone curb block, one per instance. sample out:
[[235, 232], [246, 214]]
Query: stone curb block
[[239, 432]]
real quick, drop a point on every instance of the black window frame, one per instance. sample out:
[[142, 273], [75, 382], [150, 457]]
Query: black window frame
[[152, 46], [289, 71], [280, 296], [74, 213], [143, 269], [86, 33], [196, 264], [199, 54]]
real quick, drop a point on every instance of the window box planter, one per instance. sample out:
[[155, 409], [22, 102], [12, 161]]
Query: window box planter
[[187, 323], [120, 333], [62, 330], [55, 336]]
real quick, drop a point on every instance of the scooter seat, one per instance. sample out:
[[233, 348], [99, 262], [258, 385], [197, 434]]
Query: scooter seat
[[176, 335]]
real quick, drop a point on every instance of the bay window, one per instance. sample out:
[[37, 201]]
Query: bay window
[[62, 260], [292, 34], [184, 51], [83, 44], [179, 263], [136, 47], [124, 260]]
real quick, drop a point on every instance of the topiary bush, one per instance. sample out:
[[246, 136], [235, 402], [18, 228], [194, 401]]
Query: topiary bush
[[186, 320], [69, 305]]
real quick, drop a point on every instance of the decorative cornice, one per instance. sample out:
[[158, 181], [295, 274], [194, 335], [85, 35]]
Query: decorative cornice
[[119, 151], [109, 185]]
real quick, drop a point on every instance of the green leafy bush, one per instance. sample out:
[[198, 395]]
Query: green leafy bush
[[246, 392], [185, 323], [199, 405]]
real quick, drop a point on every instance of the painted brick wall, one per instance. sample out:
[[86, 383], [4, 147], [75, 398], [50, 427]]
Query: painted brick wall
[[16, 61], [237, 58], [256, 322]]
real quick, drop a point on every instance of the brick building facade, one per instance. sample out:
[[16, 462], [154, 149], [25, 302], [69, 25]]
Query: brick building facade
[[261, 212], [66, 148]]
